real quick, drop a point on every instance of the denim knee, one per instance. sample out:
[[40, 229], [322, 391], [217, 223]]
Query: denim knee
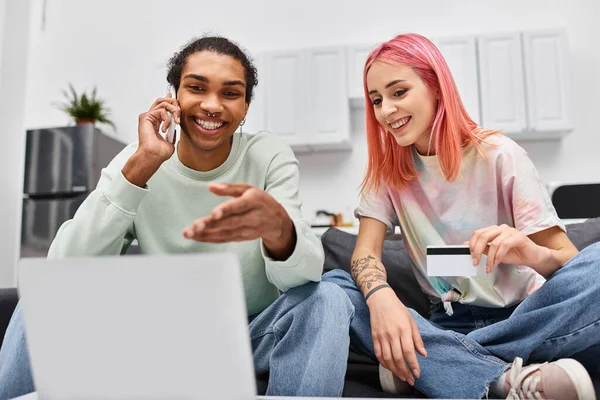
[[337, 276], [332, 298], [319, 305], [583, 270]]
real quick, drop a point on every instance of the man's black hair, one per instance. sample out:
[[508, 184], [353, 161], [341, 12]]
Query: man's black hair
[[216, 44]]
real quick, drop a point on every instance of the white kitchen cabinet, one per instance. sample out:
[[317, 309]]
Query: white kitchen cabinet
[[547, 81], [501, 82], [286, 96], [460, 54], [329, 112], [357, 56], [525, 84], [256, 117], [306, 98]]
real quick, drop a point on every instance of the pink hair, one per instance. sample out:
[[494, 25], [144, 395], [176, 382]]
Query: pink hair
[[453, 129]]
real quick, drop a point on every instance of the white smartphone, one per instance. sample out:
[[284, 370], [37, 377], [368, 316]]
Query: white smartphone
[[170, 134], [452, 260]]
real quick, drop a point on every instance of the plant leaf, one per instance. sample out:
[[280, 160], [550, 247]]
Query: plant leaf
[[84, 106]]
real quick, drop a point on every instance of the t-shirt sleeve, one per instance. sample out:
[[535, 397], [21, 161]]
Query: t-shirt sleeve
[[377, 204], [532, 208]]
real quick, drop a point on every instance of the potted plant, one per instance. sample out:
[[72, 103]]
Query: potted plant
[[84, 108]]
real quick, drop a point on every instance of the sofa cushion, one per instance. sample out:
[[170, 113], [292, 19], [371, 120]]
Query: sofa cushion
[[585, 233]]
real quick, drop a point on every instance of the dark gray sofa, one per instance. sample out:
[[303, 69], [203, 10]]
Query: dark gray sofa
[[362, 379]]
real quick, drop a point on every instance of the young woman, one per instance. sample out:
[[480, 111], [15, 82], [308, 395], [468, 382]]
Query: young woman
[[446, 181]]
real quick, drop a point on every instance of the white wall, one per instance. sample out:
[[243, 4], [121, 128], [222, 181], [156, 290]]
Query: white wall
[[122, 46], [14, 36], [2, 12]]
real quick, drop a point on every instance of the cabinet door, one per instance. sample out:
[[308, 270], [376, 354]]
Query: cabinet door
[[502, 84], [461, 56], [547, 80], [256, 117], [357, 56], [285, 87], [328, 119]]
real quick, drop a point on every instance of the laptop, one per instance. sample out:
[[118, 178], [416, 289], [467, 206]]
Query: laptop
[[137, 327]]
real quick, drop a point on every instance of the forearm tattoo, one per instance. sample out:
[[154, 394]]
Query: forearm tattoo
[[368, 272]]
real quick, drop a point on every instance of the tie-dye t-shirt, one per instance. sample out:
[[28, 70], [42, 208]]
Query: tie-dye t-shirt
[[502, 188]]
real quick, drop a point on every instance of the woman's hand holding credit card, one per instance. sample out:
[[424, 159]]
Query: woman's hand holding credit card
[[449, 260], [487, 248]]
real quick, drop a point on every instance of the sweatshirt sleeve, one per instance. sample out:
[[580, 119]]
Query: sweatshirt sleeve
[[103, 224], [306, 262]]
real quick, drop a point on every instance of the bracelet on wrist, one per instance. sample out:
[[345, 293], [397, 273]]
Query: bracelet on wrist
[[385, 285]]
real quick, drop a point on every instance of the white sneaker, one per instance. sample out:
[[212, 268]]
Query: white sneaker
[[390, 383], [565, 379]]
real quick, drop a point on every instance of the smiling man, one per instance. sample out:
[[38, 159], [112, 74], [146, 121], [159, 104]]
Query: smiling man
[[215, 190]]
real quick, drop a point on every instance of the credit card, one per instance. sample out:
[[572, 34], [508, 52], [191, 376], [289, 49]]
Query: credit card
[[451, 260]]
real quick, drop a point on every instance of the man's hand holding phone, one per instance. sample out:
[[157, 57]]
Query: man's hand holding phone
[[153, 148], [154, 123]]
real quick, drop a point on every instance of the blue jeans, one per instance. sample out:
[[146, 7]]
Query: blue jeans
[[301, 339], [561, 319]]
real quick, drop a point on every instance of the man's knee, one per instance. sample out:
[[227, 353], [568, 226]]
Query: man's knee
[[330, 300], [337, 276]]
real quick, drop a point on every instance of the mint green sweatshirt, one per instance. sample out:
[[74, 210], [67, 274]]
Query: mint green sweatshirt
[[117, 212]]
